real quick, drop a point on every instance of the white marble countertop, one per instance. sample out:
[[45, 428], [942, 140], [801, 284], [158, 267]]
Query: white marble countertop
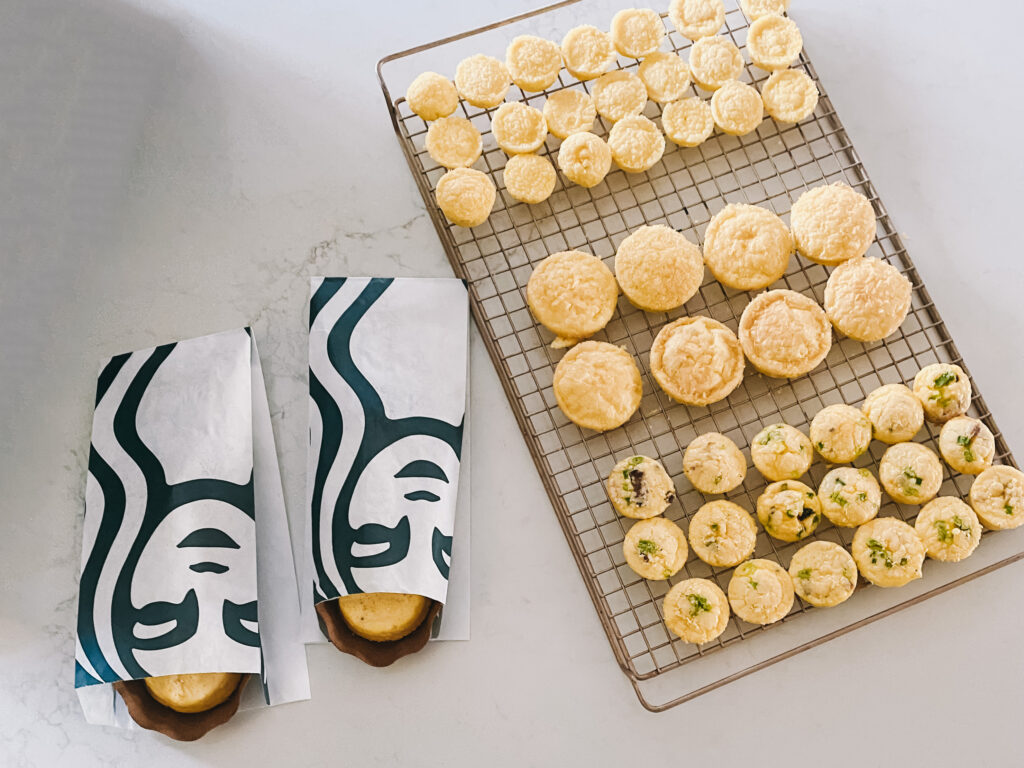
[[171, 169]]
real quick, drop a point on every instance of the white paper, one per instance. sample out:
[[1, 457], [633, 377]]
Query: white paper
[[176, 534], [389, 358]]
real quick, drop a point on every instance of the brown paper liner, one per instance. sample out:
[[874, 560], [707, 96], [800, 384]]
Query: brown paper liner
[[374, 653], [181, 726]]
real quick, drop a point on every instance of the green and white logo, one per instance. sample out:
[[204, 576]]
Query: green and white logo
[[169, 551], [387, 385]]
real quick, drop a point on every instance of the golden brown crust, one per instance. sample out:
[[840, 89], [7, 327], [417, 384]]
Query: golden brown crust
[[636, 143], [597, 385], [832, 223], [784, 333], [585, 159], [774, 42], [375, 654], [432, 96], [383, 616], [658, 268], [697, 360], [533, 62], [666, 76], [148, 713], [482, 80], [572, 294], [747, 247], [193, 692], [688, 122], [737, 108]]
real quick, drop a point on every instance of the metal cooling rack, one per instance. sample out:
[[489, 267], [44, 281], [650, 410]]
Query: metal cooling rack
[[769, 167]]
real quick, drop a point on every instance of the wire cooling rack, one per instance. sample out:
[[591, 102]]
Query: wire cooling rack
[[769, 167]]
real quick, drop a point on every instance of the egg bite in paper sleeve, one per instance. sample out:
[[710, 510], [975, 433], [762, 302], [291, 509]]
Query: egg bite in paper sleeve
[[387, 383], [188, 604]]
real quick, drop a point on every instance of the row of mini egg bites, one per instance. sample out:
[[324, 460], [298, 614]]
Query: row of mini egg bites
[[634, 143], [886, 551], [697, 360]]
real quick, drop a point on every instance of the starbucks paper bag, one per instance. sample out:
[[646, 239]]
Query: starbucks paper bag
[[387, 380], [186, 559]]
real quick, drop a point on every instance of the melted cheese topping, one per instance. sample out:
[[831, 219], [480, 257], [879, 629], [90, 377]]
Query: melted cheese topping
[[755, 9], [466, 196], [789, 510], [569, 112], [454, 142], [665, 75], [597, 385], [573, 294], [696, 610], [747, 247], [432, 96], [585, 159], [789, 96], [587, 52], [784, 333], [533, 62], [832, 223], [655, 549], [967, 445], [697, 360], [774, 42], [658, 268], [781, 452], [688, 122], [867, 299], [639, 487], [895, 414], [637, 32], [618, 95], [944, 391], [482, 80], [697, 18], [529, 178], [519, 129], [636, 143], [840, 433], [714, 61], [737, 108]]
